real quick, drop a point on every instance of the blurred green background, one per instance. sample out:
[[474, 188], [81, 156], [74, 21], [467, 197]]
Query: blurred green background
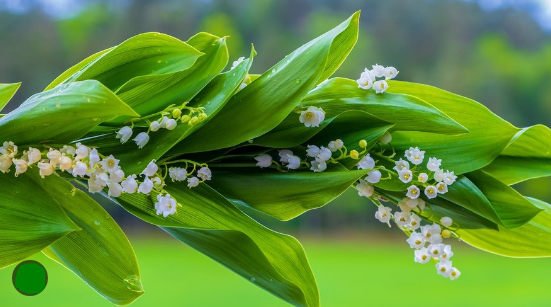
[[497, 52]]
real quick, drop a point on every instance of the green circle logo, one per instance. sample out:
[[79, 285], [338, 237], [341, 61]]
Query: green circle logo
[[30, 278]]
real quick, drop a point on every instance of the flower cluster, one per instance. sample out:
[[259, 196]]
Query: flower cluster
[[181, 174], [99, 172], [321, 156], [312, 117], [368, 78], [433, 184], [169, 119], [420, 236]]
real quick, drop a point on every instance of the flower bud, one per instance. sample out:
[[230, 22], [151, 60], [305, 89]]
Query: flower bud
[[194, 121], [185, 118], [176, 113], [363, 144], [446, 234], [354, 154]]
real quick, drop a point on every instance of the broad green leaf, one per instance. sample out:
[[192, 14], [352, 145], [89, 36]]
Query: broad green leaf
[[406, 112], [291, 132], [62, 114], [148, 94], [283, 195], [488, 133], [264, 103], [466, 194], [30, 219], [511, 207], [528, 156], [143, 54], [529, 240], [439, 207], [211, 224], [7, 90], [73, 70], [212, 98], [100, 253]]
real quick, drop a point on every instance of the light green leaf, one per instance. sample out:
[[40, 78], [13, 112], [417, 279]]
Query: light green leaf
[[30, 219], [143, 54], [529, 240], [7, 90], [62, 114], [73, 70], [212, 98], [148, 94], [406, 112], [528, 156], [466, 194], [340, 125], [100, 253], [488, 133], [212, 225], [283, 195], [511, 207], [264, 103]]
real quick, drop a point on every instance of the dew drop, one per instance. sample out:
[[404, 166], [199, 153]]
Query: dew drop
[[133, 283], [97, 223], [139, 163], [253, 279], [297, 81]]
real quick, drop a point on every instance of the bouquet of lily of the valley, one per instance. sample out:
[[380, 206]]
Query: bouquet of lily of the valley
[[161, 128]]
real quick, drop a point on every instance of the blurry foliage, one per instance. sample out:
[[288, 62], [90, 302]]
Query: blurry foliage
[[500, 58]]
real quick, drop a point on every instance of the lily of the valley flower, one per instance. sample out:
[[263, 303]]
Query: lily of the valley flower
[[335, 145], [431, 191], [416, 240], [318, 165], [312, 117], [380, 86], [366, 162], [129, 185], [20, 166], [141, 139], [165, 205], [151, 169], [34, 155], [146, 186], [293, 162], [124, 134], [192, 182], [365, 189], [383, 214], [177, 173], [434, 164], [373, 176], [204, 173], [263, 160]]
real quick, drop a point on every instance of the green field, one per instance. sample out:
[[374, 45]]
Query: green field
[[353, 273]]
